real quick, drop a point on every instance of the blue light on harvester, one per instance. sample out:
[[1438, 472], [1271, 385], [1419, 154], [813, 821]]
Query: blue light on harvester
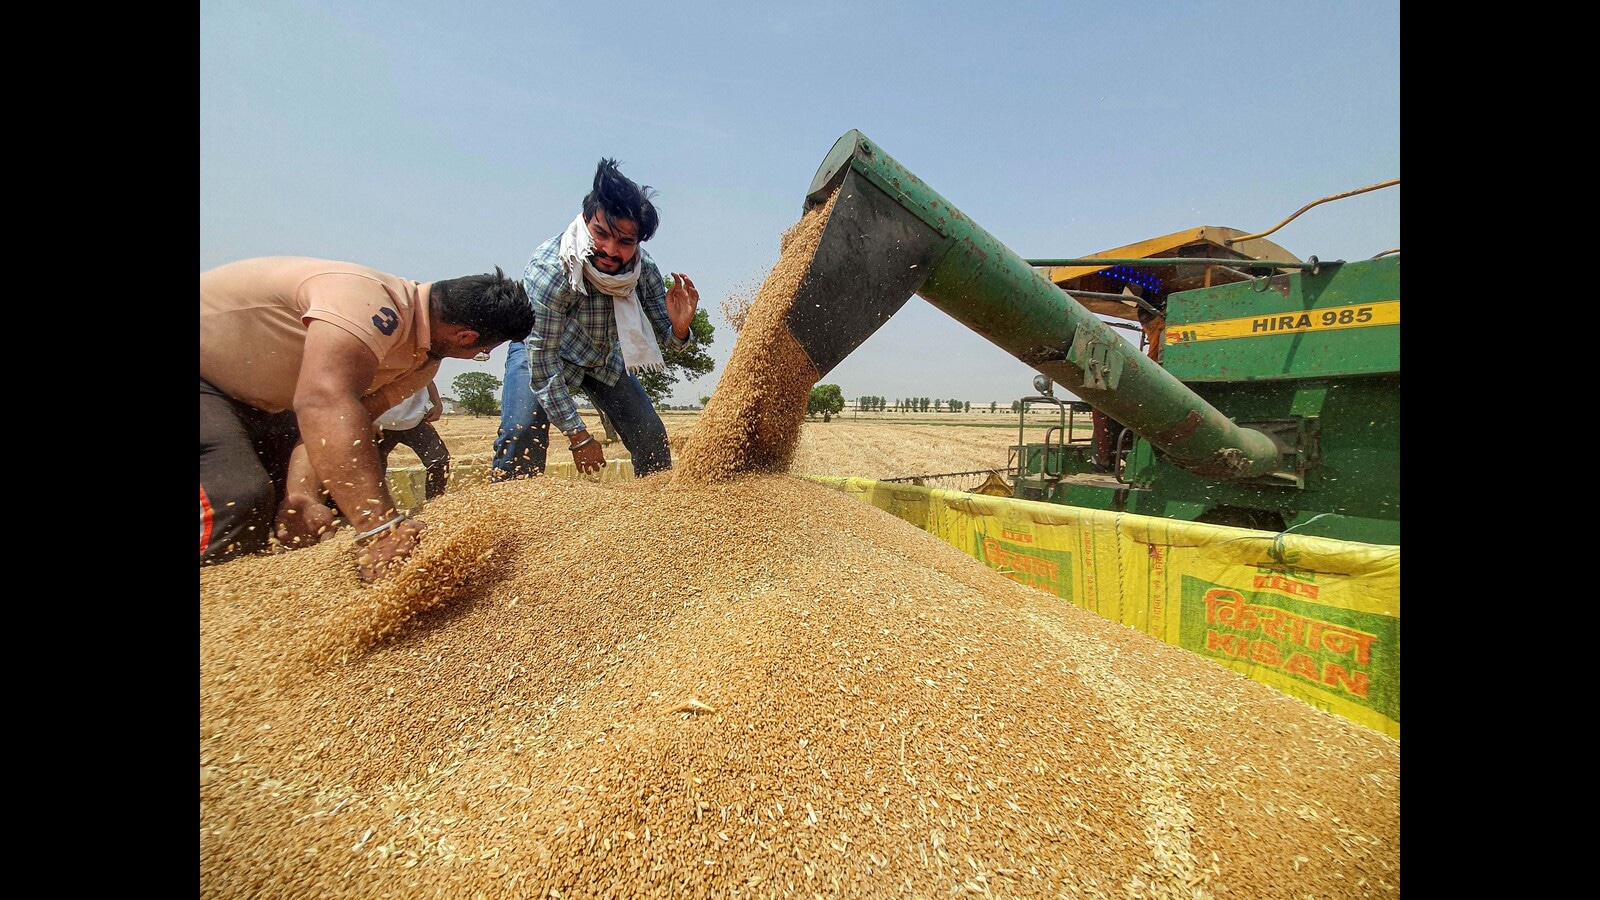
[[1134, 276]]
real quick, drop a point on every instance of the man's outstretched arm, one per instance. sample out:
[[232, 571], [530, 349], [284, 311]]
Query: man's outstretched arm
[[337, 431]]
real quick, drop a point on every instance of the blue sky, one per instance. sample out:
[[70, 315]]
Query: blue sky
[[433, 140]]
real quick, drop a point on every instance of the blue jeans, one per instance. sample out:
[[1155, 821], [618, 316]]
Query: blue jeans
[[524, 437]]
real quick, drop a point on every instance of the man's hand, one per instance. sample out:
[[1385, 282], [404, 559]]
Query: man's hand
[[303, 520], [682, 301], [380, 555], [587, 453]]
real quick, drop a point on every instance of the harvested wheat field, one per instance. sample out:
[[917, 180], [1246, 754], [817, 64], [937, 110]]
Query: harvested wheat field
[[879, 446], [727, 681]]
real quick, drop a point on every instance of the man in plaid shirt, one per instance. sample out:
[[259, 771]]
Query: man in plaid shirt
[[601, 312]]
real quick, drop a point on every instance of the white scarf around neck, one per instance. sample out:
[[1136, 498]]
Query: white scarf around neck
[[639, 350]]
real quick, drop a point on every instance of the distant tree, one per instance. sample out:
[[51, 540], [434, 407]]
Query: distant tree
[[826, 399], [991, 405], [478, 393], [692, 361], [704, 401]]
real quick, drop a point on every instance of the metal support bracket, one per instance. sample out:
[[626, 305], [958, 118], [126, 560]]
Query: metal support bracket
[[1097, 358]]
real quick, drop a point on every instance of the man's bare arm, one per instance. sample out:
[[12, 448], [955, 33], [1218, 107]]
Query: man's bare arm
[[336, 427], [337, 431]]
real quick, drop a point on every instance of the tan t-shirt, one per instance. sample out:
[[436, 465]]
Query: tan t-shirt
[[254, 314]]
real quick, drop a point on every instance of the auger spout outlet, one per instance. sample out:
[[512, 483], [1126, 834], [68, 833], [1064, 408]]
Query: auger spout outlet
[[890, 236]]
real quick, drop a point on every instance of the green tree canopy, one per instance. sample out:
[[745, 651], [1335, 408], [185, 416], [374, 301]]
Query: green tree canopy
[[478, 393], [691, 362], [826, 399]]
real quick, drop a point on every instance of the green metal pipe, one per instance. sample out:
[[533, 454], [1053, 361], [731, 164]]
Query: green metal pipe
[[1185, 260], [890, 236], [1102, 295]]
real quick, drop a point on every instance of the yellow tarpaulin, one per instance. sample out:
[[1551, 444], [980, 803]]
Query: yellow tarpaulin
[[1318, 619]]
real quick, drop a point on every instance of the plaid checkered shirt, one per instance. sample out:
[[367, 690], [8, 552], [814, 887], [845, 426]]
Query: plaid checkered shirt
[[576, 335]]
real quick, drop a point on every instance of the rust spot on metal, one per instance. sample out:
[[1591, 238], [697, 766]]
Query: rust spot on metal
[[1191, 424], [1036, 355], [1227, 465], [1233, 462]]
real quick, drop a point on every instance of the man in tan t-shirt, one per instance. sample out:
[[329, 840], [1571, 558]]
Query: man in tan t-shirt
[[298, 357]]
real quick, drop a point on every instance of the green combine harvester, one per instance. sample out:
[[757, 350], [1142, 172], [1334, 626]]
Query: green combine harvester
[[1266, 395]]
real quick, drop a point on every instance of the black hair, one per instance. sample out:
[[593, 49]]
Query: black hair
[[621, 198], [495, 306]]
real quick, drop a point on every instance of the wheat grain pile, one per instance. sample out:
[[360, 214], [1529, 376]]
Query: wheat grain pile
[[743, 686]]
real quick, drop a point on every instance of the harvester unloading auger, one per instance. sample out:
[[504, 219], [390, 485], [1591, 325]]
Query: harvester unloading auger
[[889, 236]]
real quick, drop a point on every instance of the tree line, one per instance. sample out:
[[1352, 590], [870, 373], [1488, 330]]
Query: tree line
[[478, 394], [870, 403]]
